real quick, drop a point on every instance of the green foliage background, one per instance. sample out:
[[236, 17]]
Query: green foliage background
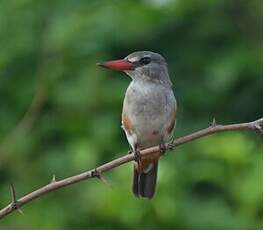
[[48, 53]]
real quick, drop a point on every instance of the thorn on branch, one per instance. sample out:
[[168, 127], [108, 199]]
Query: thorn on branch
[[96, 173], [104, 181], [53, 179], [14, 203], [13, 193], [259, 128], [213, 124]]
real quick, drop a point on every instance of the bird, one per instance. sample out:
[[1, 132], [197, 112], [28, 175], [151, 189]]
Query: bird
[[148, 113]]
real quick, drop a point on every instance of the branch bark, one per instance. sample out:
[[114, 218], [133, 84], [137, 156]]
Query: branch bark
[[97, 172]]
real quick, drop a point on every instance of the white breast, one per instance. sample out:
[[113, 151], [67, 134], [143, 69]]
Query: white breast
[[149, 107]]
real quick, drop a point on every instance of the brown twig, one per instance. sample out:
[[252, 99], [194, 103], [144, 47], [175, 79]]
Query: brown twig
[[96, 172]]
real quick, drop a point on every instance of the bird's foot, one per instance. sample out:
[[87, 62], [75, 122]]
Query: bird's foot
[[137, 156], [162, 148], [170, 145]]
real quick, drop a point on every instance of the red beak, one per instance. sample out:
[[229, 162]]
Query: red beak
[[119, 65]]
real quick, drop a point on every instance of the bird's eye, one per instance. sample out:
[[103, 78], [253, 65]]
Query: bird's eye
[[145, 60]]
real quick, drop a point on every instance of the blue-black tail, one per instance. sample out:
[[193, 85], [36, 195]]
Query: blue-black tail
[[144, 183]]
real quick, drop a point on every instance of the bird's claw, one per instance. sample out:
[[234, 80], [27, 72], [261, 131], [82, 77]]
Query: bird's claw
[[162, 148], [170, 145], [137, 156]]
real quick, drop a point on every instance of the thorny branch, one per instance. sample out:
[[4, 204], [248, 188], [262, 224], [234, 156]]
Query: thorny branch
[[15, 204]]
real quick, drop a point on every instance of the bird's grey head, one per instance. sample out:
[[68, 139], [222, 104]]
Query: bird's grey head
[[142, 66], [148, 66]]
